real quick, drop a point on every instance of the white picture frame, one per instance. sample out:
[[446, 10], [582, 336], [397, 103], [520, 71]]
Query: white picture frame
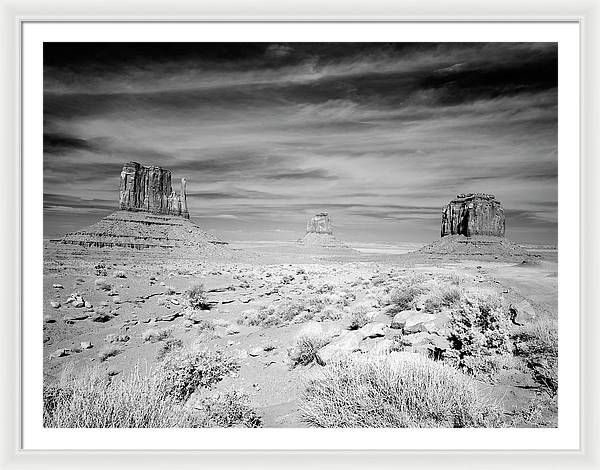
[[15, 14]]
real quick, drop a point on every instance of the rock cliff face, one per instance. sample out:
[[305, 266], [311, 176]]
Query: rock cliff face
[[320, 223], [148, 189], [473, 214]]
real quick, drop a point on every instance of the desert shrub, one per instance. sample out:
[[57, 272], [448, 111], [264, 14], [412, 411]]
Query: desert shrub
[[440, 296], [182, 372], [226, 410], [120, 274], [306, 345], [296, 311], [109, 351], [205, 325], [358, 317], [478, 329], [328, 313], [403, 296], [196, 297], [397, 390], [154, 335], [93, 400], [100, 269], [537, 344], [167, 347]]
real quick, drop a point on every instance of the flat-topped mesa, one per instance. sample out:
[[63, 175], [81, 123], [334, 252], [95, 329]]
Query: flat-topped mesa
[[473, 214], [148, 189], [320, 223]]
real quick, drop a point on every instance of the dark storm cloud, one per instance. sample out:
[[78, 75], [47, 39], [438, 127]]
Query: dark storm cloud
[[368, 130]]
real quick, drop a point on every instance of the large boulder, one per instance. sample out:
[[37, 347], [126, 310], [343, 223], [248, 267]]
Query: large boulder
[[345, 344]]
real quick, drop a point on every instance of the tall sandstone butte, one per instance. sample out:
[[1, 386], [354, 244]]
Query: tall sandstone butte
[[320, 223], [148, 189], [473, 214]]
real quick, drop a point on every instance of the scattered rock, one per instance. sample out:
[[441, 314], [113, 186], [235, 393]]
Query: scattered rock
[[54, 304], [58, 286], [86, 345], [372, 330], [60, 353], [255, 352]]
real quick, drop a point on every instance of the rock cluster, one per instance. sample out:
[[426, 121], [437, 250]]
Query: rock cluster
[[473, 214], [148, 189]]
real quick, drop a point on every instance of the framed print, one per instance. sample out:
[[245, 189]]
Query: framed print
[[306, 235]]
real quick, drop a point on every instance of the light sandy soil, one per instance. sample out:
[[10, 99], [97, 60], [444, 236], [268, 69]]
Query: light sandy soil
[[252, 276]]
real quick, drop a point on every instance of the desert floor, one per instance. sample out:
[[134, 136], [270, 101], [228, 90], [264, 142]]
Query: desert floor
[[146, 291]]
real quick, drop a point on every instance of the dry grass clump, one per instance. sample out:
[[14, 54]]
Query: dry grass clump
[[358, 317], [537, 344], [152, 399], [307, 343], [406, 291], [154, 335], [109, 351], [396, 390], [196, 297]]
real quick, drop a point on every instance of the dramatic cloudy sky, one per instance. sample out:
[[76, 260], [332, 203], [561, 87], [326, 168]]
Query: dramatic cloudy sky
[[379, 135]]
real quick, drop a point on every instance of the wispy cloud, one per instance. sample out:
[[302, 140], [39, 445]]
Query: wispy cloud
[[267, 133]]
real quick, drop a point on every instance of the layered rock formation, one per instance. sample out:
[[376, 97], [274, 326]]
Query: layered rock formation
[[151, 215], [473, 214], [473, 225], [148, 189], [319, 233], [320, 223]]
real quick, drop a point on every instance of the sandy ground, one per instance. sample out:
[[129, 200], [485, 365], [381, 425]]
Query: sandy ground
[[253, 275]]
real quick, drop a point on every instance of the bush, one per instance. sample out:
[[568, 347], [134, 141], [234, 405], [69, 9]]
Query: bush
[[154, 335], [182, 372], [397, 390], [402, 297], [358, 318], [440, 296], [306, 345], [287, 312], [478, 330], [196, 297], [167, 347], [227, 410], [109, 351], [120, 274]]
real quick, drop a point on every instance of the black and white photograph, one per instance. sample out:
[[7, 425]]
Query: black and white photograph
[[300, 234]]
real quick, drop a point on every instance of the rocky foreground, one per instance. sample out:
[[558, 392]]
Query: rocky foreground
[[114, 313]]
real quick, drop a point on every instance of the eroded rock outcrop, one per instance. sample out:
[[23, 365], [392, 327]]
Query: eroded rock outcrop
[[320, 223], [151, 216], [473, 214], [148, 189], [319, 233]]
